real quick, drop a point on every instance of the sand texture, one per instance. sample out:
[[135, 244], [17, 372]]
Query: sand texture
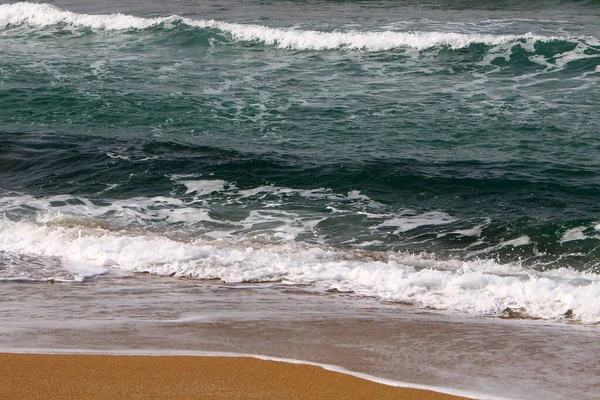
[[39, 376]]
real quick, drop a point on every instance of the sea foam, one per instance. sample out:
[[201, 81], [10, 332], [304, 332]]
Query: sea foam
[[481, 287], [44, 15]]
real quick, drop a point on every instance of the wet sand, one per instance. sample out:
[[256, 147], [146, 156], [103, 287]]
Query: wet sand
[[43, 376], [175, 317]]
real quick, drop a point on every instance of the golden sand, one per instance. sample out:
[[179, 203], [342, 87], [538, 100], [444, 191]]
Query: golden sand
[[54, 377]]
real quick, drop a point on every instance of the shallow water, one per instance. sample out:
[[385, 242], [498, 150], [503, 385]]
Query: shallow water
[[154, 315]]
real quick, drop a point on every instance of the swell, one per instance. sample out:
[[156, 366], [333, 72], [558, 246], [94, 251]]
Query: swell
[[44, 16], [28, 159], [465, 209]]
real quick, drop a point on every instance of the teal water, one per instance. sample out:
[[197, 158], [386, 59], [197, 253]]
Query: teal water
[[455, 139]]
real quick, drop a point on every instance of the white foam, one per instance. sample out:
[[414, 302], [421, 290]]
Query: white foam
[[357, 195], [22, 267], [194, 213], [43, 15], [516, 242], [353, 40], [477, 230], [407, 223], [479, 287], [316, 194], [520, 241], [204, 187], [578, 53], [87, 270], [65, 209], [574, 234]]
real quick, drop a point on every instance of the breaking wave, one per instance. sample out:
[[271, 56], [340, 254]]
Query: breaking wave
[[64, 248], [45, 15]]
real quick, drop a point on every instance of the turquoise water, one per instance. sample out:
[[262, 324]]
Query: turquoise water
[[444, 154]]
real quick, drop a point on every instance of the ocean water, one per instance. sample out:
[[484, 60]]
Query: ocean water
[[434, 154], [439, 154]]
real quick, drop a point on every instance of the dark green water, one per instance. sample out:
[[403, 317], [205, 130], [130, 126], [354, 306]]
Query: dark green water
[[454, 139]]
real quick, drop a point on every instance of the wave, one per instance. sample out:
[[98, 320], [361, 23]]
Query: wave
[[481, 287], [45, 15]]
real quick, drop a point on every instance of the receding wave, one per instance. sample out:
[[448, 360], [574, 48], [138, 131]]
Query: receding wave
[[44, 15]]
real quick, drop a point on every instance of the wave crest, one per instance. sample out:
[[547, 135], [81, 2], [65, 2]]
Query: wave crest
[[44, 15], [481, 287]]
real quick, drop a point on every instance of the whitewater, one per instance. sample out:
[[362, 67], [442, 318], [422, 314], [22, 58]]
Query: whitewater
[[44, 15], [84, 249]]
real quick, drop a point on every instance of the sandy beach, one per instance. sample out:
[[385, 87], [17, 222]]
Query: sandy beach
[[43, 376]]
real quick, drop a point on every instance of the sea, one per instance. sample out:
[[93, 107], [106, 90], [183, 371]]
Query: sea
[[358, 175]]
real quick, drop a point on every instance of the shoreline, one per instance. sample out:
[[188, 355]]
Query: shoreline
[[471, 357], [106, 375]]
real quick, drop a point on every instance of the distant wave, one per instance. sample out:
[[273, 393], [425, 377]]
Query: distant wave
[[44, 15]]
